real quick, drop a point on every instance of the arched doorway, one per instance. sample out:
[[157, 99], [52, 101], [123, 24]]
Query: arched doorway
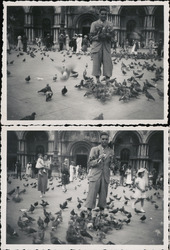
[[126, 145], [83, 23], [43, 20], [124, 156], [80, 153], [132, 23], [12, 148], [155, 143], [36, 142]]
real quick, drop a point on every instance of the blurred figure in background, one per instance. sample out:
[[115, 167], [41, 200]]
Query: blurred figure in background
[[85, 43], [19, 45], [18, 169]]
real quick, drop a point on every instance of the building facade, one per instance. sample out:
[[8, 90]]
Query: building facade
[[130, 22], [138, 148]]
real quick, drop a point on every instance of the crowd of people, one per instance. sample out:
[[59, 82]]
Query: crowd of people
[[101, 164]]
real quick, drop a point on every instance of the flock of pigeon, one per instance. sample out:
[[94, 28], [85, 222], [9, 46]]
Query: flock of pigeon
[[129, 89], [39, 223], [134, 72]]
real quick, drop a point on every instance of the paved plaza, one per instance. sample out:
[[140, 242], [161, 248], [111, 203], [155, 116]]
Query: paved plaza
[[149, 232], [23, 99]]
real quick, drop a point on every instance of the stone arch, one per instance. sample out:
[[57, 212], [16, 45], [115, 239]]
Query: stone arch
[[151, 134], [132, 22], [155, 142], [43, 20], [133, 132], [79, 153], [35, 142], [126, 145], [83, 22], [79, 146], [143, 9]]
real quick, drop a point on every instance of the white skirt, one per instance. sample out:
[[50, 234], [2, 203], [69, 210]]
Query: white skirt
[[138, 194]]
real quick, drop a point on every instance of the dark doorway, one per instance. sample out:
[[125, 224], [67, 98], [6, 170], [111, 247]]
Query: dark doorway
[[81, 160], [85, 30], [156, 165], [46, 25], [124, 156]]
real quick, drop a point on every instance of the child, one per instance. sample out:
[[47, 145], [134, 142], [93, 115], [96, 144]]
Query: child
[[140, 193], [129, 176], [40, 164]]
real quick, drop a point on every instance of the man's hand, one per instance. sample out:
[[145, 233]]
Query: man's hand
[[101, 157], [95, 38]]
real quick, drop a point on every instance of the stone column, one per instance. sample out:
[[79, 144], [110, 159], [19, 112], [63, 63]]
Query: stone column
[[143, 155]]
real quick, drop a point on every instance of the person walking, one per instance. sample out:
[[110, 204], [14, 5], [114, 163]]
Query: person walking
[[72, 171], [77, 171], [19, 45], [122, 173], [140, 193], [101, 35], [85, 43], [29, 169], [79, 43], [67, 42], [65, 175], [61, 41], [100, 162], [74, 43], [42, 165], [18, 169]]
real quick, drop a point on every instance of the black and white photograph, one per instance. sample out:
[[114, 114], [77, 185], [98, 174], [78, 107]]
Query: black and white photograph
[[85, 187], [85, 61]]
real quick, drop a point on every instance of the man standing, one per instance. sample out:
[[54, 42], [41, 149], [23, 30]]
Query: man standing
[[18, 168], [24, 41], [101, 35], [61, 41], [100, 162]]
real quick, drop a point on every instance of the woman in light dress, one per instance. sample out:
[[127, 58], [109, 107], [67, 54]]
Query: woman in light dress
[[19, 45], [72, 171], [79, 43], [129, 175], [67, 42], [29, 169]]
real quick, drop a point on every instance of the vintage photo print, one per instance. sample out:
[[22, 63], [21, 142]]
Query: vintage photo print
[[84, 188], [86, 62]]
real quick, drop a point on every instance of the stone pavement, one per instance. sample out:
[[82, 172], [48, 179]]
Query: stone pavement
[[23, 99], [136, 232]]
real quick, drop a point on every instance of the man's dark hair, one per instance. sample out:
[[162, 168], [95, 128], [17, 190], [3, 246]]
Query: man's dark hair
[[103, 9], [104, 133]]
